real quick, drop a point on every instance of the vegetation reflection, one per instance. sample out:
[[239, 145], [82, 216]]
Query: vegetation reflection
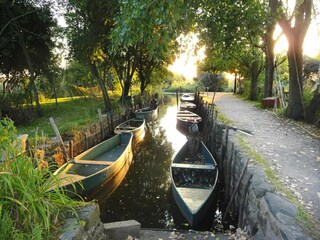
[[143, 195]]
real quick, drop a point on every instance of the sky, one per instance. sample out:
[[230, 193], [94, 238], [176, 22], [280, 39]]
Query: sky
[[185, 63]]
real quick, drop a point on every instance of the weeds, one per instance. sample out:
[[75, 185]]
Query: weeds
[[28, 210]]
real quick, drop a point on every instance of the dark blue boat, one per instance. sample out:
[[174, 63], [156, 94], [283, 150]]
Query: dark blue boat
[[194, 177]]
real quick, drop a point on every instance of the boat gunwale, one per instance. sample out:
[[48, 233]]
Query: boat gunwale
[[190, 215], [61, 169]]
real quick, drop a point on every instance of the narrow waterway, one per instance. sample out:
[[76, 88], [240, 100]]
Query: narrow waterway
[[145, 192]]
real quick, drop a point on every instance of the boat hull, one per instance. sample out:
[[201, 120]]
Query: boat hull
[[188, 106], [186, 97], [134, 126], [147, 113], [185, 119], [193, 183], [96, 166]]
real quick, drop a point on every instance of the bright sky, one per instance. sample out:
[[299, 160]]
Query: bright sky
[[186, 62]]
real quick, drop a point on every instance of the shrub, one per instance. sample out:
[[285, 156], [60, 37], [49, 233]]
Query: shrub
[[28, 208]]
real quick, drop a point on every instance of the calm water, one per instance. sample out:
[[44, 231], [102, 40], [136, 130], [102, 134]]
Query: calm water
[[145, 192]]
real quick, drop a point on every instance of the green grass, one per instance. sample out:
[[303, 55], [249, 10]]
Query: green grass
[[70, 115], [223, 118]]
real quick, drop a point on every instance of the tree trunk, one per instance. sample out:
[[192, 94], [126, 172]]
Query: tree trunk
[[254, 72], [142, 83], [126, 88], [295, 107], [32, 74], [103, 89], [269, 65], [312, 109], [269, 49], [295, 36]]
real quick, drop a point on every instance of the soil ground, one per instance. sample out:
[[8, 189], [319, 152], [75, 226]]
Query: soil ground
[[292, 151]]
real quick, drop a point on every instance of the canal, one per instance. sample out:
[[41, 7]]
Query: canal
[[145, 192]]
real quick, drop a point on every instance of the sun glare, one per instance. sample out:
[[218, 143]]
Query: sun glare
[[189, 55]]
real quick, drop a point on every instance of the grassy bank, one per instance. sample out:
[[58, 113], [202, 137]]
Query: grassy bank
[[70, 115]]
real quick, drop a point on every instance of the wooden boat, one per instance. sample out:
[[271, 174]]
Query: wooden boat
[[185, 119], [134, 126], [148, 113], [96, 166], [194, 178], [188, 106], [187, 97]]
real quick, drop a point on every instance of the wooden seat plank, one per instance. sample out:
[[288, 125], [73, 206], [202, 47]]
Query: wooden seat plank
[[95, 162], [193, 166]]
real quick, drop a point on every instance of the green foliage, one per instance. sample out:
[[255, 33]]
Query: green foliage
[[178, 82], [215, 82], [30, 23], [229, 28], [29, 209], [78, 74], [143, 38]]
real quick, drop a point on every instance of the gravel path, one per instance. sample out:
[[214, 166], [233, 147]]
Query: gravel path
[[289, 150]]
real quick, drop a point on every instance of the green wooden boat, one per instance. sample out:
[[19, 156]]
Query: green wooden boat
[[194, 177], [96, 166], [149, 114], [188, 106], [187, 97], [185, 119], [134, 126]]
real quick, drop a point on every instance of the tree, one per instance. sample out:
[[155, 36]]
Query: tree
[[144, 35], [311, 75], [26, 32], [268, 46], [232, 36], [295, 33], [212, 81], [89, 26]]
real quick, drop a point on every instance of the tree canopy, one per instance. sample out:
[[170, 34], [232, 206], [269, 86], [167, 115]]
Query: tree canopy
[[26, 43], [128, 41]]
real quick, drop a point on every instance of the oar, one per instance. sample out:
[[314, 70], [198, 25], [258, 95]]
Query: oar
[[55, 128], [242, 130]]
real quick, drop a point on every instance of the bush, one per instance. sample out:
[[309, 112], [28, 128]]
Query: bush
[[28, 208]]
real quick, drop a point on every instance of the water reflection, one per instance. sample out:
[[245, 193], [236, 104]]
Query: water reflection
[[145, 192], [168, 122]]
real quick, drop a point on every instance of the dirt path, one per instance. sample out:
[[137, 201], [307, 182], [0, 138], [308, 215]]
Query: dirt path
[[289, 150]]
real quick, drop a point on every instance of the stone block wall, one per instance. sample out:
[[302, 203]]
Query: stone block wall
[[248, 194], [261, 210], [88, 226]]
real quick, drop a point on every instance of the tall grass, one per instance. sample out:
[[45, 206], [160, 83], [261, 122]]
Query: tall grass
[[28, 210]]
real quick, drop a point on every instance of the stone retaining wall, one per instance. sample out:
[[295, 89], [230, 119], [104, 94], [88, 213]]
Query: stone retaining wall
[[265, 213], [88, 226]]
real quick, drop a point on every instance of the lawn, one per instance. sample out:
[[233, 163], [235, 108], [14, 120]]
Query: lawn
[[70, 115]]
